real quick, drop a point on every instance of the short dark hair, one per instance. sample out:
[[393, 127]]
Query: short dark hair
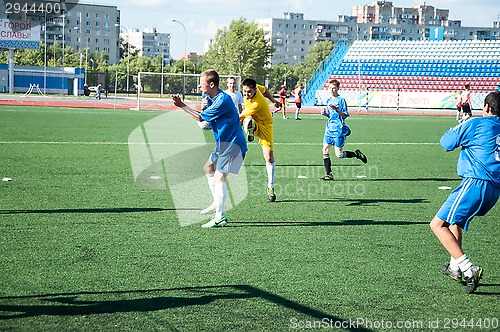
[[250, 82], [211, 76], [493, 101], [335, 82]]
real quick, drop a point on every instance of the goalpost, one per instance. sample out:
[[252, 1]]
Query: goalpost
[[156, 85]]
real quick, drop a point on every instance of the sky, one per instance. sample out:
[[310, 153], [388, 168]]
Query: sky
[[202, 18]]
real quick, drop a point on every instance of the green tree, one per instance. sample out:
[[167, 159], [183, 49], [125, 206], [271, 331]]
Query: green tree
[[282, 74], [313, 59], [240, 50], [127, 49]]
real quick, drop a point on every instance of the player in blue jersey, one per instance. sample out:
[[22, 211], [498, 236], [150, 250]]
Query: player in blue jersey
[[479, 167], [230, 142], [336, 130]]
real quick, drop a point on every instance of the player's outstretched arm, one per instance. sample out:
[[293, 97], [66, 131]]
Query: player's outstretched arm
[[450, 140], [192, 112], [269, 96]]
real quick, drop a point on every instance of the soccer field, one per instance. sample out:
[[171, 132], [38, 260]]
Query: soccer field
[[95, 231]]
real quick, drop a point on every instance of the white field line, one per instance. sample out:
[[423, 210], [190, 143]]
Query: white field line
[[180, 143]]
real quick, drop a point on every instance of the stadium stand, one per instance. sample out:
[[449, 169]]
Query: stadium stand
[[409, 68]]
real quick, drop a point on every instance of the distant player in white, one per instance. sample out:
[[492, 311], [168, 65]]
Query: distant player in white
[[464, 104], [235, 95], [479, 167], [336, 130]]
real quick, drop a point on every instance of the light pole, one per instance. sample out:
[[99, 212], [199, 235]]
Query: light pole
[[54, 45], [45, 54], [63, 39], [162, 65], [80, 49], [86, 49], [185, 54], [128, 53]]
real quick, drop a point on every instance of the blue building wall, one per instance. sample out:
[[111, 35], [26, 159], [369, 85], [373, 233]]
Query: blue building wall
[[52, 80]]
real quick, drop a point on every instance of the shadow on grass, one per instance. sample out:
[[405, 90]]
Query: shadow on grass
[[303, 165], [355, 202], [481, 287], [69, 305], [416, 179], [325, 223], [93, 210]]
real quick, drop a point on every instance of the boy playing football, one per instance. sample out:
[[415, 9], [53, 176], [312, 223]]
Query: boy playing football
[[336, 130], [230, 144], [258, 121], [479, 167]]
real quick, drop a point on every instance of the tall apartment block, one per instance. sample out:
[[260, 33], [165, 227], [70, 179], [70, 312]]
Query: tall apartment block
[[149, 43], [78, 25], [292, 36]]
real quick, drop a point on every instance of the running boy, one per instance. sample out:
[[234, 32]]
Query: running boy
[[336, 130], [479, 167]]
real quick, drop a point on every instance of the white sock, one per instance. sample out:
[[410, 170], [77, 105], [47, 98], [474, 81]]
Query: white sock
[[297, 113], [465, 265], [220, 199], [270, 174], [454, 264], [210, 178]]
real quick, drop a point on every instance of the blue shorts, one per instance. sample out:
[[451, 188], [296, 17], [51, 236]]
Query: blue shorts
[[339, 142], [228, 159], [473, 197]]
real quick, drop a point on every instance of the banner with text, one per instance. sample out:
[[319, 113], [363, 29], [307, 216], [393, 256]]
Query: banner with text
[[19, 35]]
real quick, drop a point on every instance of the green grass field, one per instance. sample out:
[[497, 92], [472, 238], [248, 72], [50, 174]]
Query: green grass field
[[85, 248]]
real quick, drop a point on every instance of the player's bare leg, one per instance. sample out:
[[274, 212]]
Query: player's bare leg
[[442, 231], [450, 242]]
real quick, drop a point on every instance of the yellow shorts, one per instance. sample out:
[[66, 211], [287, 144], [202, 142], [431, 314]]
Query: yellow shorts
[[266, 135]]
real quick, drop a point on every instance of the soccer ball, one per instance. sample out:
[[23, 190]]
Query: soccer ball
[[205, 125]]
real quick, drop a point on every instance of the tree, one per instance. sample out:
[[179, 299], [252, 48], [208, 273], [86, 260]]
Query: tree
[[239, 50], [127, 49], [316, 55], [282, 74]]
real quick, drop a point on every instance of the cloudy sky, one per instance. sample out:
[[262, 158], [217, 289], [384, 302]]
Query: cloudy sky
[[202, 18]]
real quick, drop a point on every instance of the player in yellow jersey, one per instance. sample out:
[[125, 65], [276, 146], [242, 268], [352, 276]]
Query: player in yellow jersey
[[258, 121]]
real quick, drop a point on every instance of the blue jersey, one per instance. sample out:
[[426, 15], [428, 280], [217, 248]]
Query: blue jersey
[[224, 119], [480, 142], [335, 126]]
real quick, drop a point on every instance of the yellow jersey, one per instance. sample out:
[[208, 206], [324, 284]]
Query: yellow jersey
[[257, 107]]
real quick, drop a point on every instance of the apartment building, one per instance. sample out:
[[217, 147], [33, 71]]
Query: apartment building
[[79, 25], [292, 36], [149, 43]]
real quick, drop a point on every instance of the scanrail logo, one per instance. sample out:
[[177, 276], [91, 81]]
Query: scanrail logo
[[24, 9]]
